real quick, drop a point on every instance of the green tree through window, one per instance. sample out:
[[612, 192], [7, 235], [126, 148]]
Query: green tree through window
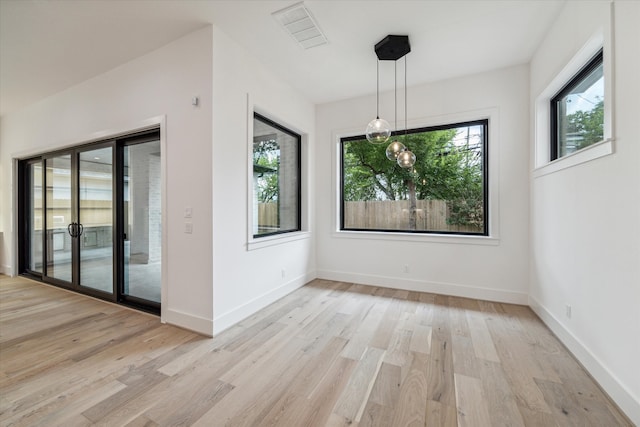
[[588, 124], [266, 153], [450, 170], [577, 111]]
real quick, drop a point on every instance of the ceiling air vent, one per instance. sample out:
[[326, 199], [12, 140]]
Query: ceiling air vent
[[298, 22]]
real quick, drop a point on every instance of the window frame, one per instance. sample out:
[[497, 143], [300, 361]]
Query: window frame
[[266, 120], [602, 38], [596, 61], [484, 122]]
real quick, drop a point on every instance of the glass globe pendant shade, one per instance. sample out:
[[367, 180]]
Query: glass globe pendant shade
[[406, 159], [378, 131], [394, 149]]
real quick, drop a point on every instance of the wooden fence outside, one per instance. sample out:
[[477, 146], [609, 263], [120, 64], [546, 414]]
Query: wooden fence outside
[[268, 214], [383, 215], [394, 215]]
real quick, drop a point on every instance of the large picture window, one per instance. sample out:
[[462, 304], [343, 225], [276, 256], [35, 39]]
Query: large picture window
[[276, 178], [445, 192], [577, 111]]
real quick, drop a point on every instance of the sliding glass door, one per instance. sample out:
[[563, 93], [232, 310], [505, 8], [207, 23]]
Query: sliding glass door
[[59, 219], [91, 219], [95, 218], [143, 232], [34, 205]]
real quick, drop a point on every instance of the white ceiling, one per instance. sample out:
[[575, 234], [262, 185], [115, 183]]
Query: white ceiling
[[48, 46]]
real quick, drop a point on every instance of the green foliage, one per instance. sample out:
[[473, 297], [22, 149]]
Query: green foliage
[[444, 170], [466, 212], [267, 154], [588, 124]]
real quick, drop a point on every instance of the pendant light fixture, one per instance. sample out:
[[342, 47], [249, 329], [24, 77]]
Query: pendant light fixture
[[406, 159], [378, 130], [396, 147], [392, 48]]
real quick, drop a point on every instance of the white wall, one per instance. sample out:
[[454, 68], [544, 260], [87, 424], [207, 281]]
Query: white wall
[[161, 83], [209, 65], [585, 220], [247, 280], [475, 267]]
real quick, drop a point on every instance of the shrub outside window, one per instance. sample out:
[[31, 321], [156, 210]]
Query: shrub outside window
[[445, 192], [276, 178], [577, 111]]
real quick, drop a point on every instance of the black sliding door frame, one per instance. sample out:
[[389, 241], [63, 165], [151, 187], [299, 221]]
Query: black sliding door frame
[[123, 295], [26, 213], [25, 210], [48, 244], [111, 296]]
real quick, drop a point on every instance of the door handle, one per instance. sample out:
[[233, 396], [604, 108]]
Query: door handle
[[75, 229]]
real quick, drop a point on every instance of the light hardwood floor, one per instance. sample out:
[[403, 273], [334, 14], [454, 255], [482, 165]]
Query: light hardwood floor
[[330, 353]]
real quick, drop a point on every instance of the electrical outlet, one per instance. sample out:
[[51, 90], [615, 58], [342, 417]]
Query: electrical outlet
[[188, 227], [284, 273], [406, 268], [567, 310]]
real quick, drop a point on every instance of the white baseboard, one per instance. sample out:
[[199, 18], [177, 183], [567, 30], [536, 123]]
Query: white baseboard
[[188, 321], [451, 289], [230, 318], [628, 403], [6, 270]]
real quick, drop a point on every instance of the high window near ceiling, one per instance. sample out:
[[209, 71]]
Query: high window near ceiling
[[577, 111], [276, 178], [446, 192], [574, 112]]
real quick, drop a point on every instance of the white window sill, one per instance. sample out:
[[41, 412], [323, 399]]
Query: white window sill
[[419, 237], [277, 239], [592, 152]]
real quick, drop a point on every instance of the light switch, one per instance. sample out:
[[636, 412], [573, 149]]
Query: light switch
[[188, 227], [188, 212]]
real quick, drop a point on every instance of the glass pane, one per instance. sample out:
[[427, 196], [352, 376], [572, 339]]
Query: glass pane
[[58, 178], [35, 217], [443, 192], [142, 219], [276, 179], [96, 217], [581, 113]]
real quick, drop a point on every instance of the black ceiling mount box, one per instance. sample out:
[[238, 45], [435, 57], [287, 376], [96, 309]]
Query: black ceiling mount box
[[392, 48]]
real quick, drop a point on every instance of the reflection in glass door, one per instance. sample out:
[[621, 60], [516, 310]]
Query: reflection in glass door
[[142, 221], [36, 221], [95, 217], [59, 217]]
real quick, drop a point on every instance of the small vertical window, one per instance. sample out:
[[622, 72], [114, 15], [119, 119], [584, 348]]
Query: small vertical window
[[276, 178], [577, 111]]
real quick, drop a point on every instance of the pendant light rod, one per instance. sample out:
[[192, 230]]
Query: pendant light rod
[[406, 159], [378, 130], [377, 89], [405, 98], [395, 92]]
